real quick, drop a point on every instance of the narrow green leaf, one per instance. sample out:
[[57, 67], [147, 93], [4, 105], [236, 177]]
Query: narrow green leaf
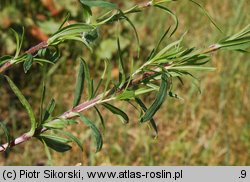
[[19, 42], [56, 143], [242, 43], [97, 134], [109, 70], [79, 84], [50, 108], [55, 137], [144, 90], [207, 14], [87, 77], [65, 20], [158, 101], [26, 105], [195, 68], [92, 89], [42, 102], [54, 55], [122, 73], [47, 152], [87, 13], [100, 116], [161, 39], [241, 34], [97, 87], [7, 134], [173, 16], [72, 138], [117, 111], [71, 32], [144, 108], [96, 3], [59, 124], [41, 61], [27, 63], [128, 80], [50, 54], [136, 33], [165, 50], [126, 95]]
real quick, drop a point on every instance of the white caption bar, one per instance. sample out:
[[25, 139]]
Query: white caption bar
[[106, 173]]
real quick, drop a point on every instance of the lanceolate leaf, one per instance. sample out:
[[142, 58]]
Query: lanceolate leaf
[[100, 116], [136, 33], [117, 111], [87, 77], [159, 43], [54, 54], [72, 138], [144, 108], [97, 87], [173, 16], [26, 105], [158, 101], [126, 95], [87, 13], [207, 14], [51, 54], [238, 41], [59, 124], [108, 67], [95, 130], [47, 152], [55, 137], [50, 108], [71, 32], [27, 63], [161, 39], [18, 42], [96, 3], [122, 74], [6, 132], [42, 102], [79, 84], [56, 143], [64, 21]]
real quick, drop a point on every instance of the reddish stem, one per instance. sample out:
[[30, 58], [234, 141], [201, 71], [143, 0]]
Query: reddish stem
[[32, 50], [37, 47], [70, 113], [6, 66]]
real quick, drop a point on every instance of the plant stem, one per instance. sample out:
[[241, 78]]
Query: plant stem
[[81, 107], [45, 44], [5, 66], [67, 115], [211, 48], [37, 47], [32, 50]]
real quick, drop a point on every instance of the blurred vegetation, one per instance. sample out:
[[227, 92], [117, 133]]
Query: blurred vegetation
[[207, 128]]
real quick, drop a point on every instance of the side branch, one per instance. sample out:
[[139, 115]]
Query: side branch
[[32, 50], [37, 47], [72, 112], [67, 115], [136, 80], [5, 66]]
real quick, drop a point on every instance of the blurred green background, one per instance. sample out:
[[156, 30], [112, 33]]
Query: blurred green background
[[207, 128]]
